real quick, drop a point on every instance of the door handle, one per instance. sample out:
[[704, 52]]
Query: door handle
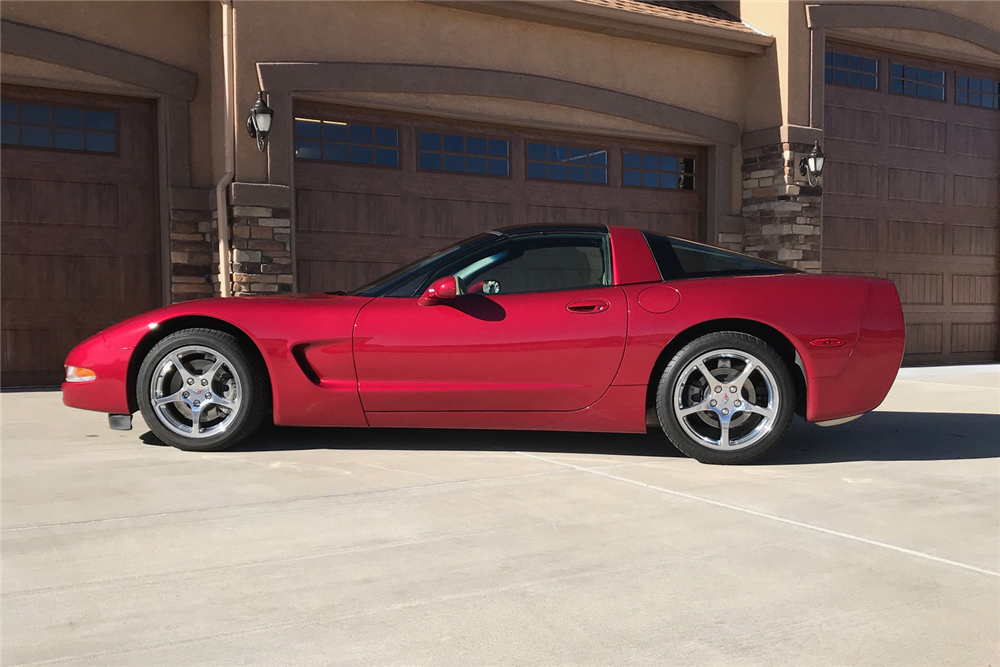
[[588, 306]]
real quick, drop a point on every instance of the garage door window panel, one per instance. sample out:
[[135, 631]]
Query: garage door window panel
[[914, 81], [977, 91], [574, 164], [845, 69], [349, 143], [47, 126], [463, 154], [657, 171]]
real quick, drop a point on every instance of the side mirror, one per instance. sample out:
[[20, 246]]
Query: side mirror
[[442, 288]]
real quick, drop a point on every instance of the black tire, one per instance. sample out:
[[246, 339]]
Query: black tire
[[723, 340], [254, 396]]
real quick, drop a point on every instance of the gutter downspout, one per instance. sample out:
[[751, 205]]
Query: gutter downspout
[[221, 201]]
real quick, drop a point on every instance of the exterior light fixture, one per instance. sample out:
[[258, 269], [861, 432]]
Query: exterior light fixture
[[259, 121], [811, 165]]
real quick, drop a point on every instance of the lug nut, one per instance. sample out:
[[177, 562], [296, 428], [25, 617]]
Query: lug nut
[[738, 403], [208, 397], [725, 411], [732, 390], [204, 382], [185, 394], [718, 390], [190, 380], [713, 402], [197, 403]]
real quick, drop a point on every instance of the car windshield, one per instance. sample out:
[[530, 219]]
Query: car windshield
[[411, 272]]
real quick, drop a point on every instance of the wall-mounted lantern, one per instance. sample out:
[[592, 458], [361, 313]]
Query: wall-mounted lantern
[[259, 121], [811, 165]]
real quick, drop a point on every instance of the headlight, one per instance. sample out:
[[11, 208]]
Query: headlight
[[77, 374]]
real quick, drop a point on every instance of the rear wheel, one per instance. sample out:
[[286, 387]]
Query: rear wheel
[[201, 390], [726, 397]]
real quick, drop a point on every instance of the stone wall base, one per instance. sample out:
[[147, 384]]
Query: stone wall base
[[783, 217], [260, 248], [194, 258]]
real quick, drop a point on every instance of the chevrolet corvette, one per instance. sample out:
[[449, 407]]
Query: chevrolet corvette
[[543, 327]]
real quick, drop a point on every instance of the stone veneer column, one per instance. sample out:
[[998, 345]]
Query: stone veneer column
[[193, 254], [783, 218], [260, 245]]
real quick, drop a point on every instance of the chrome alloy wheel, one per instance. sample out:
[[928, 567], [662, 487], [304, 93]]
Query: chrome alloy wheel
[[726, 399], [196, 392]]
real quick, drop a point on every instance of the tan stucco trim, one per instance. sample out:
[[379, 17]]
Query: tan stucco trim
[[82, 54], [286, 77], [623, 23], [783, 134], [843, 15], [259, 194]]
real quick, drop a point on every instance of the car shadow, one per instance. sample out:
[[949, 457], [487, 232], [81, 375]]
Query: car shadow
[[878, 436]]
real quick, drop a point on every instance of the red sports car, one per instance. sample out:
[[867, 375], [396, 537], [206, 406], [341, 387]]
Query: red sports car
[[573, 328]]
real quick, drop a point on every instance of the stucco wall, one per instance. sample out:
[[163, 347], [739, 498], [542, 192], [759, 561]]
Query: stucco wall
[[426, 34], [766, 75], [171, 32]]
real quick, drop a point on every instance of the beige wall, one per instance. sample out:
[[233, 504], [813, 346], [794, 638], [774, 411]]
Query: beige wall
[[172, 32], [427, 34], [766, 75]]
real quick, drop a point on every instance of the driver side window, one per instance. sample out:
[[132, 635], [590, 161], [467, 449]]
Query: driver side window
[[536, 263]]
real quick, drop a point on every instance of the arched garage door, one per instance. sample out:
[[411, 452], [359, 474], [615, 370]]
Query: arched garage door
[[79, 223], [377, 190], [911, 193]]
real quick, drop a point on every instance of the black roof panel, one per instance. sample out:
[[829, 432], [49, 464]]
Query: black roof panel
[[542, 228]]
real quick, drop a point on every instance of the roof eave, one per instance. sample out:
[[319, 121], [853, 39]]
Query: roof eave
[[622, 23]]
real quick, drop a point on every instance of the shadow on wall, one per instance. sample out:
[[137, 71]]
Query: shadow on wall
[[879, 436]]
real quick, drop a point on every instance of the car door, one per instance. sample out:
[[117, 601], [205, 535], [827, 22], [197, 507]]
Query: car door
[[539, 329]]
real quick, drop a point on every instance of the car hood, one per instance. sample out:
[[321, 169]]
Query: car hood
[[258, 316]]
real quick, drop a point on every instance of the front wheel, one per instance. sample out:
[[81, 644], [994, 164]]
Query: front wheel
[[201, 390], [726, 397]]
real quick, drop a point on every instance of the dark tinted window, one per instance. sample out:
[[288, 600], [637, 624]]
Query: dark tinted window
[[405, 280], [354, 143], [654, 170], [463, 154], [64, 128], [534, 263], [916, 81], [678, 259], [977, 91], [846, 70], [567, 163]]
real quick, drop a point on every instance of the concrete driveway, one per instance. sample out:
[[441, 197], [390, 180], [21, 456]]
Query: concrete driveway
[[874, 543]]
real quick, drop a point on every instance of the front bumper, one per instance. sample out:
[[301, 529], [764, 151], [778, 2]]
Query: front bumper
[[109, 391]]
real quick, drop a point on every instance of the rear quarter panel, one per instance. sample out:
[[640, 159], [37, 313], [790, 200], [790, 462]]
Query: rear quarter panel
[[799, 306]]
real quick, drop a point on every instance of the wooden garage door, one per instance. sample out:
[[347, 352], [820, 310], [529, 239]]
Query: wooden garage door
[[911, 193], [375, 191], [79, 232]]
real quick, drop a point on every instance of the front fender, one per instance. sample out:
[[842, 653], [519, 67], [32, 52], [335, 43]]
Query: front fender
[[109, 391]]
